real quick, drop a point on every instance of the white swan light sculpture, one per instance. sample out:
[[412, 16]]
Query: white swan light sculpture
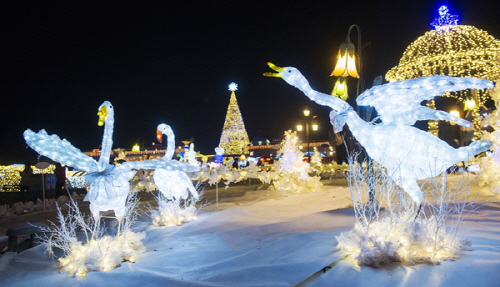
[[109, 184], [408, 153], [172, 183]]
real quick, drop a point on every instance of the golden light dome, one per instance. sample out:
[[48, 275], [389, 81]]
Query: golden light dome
[[459, 50]]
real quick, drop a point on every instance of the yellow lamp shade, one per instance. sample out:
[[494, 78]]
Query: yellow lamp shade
[[340, 89], [299, 127], [346, 62], [315, 127], [136, 148], [306, 112]]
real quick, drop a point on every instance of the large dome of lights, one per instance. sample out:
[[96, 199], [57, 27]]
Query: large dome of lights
[[456, 51]]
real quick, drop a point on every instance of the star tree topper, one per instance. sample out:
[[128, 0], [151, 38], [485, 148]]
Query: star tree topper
[[233, 87]]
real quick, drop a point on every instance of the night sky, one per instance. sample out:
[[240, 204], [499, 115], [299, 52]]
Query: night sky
[[172, 61]]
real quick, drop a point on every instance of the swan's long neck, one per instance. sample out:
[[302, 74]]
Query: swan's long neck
[[107, 139], [359, 128], [323, 99], [169, 154]]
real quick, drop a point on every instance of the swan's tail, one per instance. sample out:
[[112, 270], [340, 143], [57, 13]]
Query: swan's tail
[[473, 149]]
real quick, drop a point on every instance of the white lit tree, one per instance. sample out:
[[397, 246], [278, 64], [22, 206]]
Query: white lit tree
[[293, 172], [316, 159]]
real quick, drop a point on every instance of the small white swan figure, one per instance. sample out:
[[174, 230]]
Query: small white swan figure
[[173, 184]]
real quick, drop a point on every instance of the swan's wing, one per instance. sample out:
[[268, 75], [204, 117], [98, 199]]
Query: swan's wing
[[160, 163], [59, 150], [424, 113], [399, 102], [174, 183]]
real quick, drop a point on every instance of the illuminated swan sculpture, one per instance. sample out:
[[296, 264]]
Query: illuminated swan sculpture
[[109, 184], [409, 154], [172, 183]]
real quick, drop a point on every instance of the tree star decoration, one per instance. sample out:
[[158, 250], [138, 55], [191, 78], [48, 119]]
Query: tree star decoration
[[408, 153], [233, 87], [109, 184]]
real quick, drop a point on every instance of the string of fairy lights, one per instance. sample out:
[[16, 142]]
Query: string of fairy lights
[[452, 50], [10, 176]]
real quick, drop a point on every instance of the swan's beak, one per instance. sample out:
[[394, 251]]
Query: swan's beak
[[159, 136], [276, 68], [102, 113]]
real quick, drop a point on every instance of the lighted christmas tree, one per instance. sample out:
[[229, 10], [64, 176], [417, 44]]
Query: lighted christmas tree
[[234, 138]]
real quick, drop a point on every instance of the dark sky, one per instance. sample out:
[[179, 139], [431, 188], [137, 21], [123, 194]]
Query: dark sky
[[172, 61]]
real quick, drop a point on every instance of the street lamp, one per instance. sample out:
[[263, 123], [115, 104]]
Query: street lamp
[[454, 112], [136, 148], [309, 121], [348, 64]]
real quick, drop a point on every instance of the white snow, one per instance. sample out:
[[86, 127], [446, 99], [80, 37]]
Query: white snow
[[271, 242]]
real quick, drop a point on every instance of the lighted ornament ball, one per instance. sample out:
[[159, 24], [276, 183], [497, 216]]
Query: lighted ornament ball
[[408, 153]]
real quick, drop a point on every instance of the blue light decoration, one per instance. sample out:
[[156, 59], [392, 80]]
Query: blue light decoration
[[445, 19], [218, 155]]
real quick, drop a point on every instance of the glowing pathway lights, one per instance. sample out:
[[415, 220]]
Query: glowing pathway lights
[[109, 184], [173, 184], [408, 153]]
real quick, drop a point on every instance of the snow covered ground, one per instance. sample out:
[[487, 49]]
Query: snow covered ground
[[260, 239]]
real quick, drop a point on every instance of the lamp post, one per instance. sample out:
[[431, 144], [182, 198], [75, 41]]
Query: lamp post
[[349, 64], [309, 122], [456, 112]]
